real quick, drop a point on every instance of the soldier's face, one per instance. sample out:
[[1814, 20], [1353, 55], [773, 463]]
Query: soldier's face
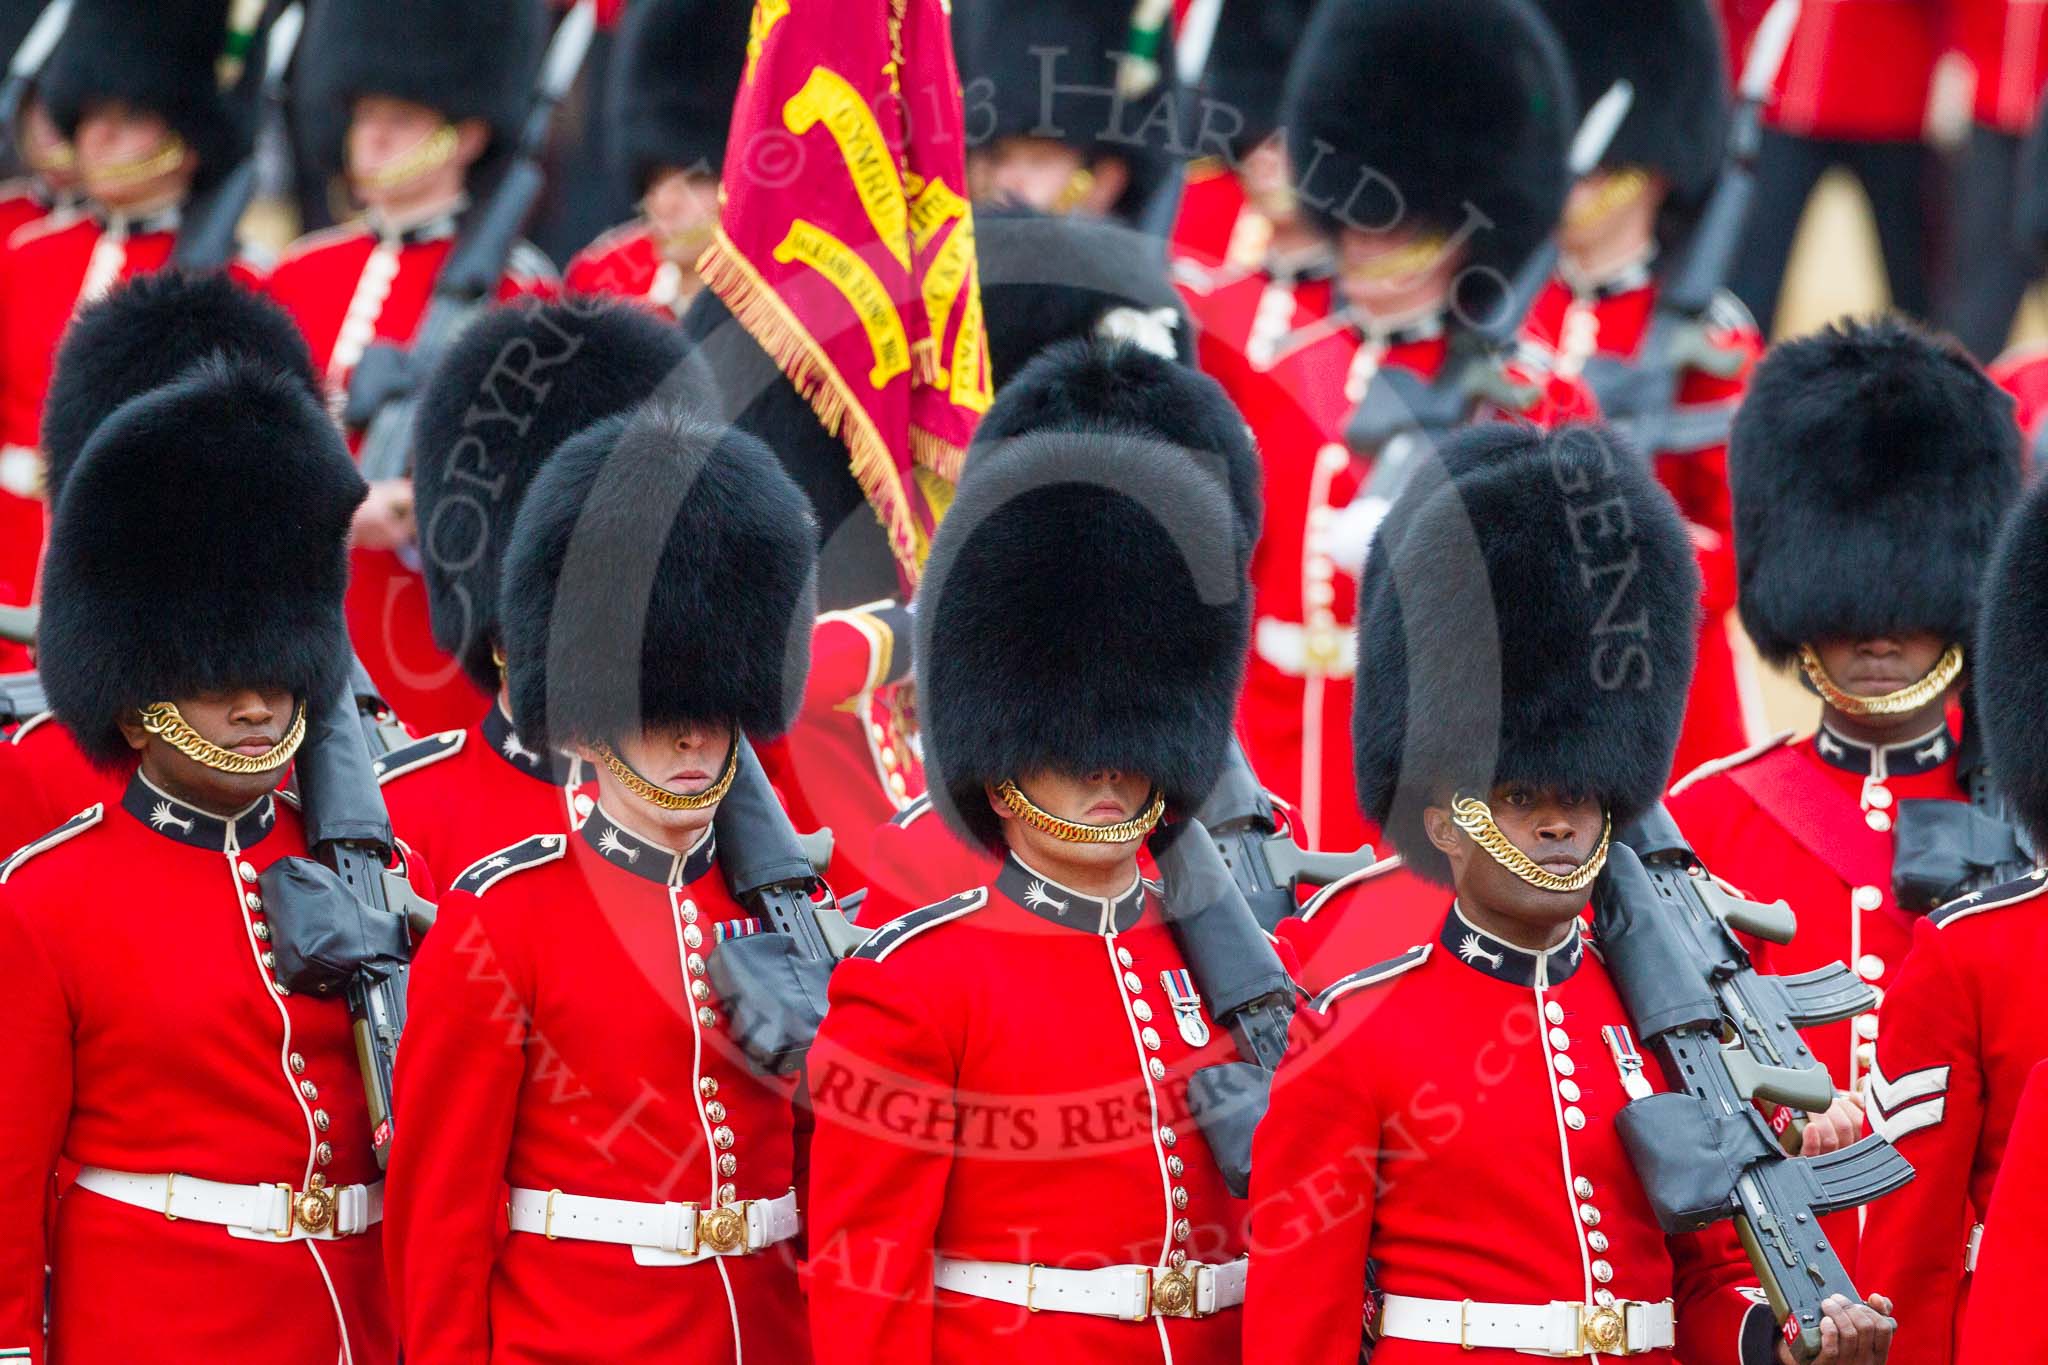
[[1396, 274], [121, 157], [1269, 180], [386, 136], [44, 149], [1611, 213], [1038, 173], [687, 758], [683, 208], [1107, 796], [1558, 830], [1880, 664], [247, 721]]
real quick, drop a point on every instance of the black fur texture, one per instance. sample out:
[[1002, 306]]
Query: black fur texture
[[1670, 52], [1416, 112], [2010, 678], [519, 382], [157, 56], [1045, 279], [661, 570], [1008, 90], [1247, 70], [1531, 617], [674, 76], [465, 58], [1113, 386], [233, 579], [1871, 465], [1081, 609], [149, 331]]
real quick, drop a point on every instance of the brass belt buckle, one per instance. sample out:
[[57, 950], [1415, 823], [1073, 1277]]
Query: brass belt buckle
[[1603, 1328], [313, 1209], [723, 1229], [1170, 1294]]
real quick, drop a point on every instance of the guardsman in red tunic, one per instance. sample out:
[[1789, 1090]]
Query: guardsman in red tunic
[[143, 334], [1962, 1029], [420, 93], [148, 125], [1409, 264], [49, 182], [226, 1189], [992, 1180], [1623, 225], [2015, 1244], [673, 77], [1871, 465], [564, 1038], [1852, 93], [518, 383], [1440, 1167]]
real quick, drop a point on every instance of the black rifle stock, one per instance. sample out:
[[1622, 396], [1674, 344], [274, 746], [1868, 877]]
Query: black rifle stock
[[1702, 1149], [1267, 865], [773, 984], [1945, 849], [1246, 987], [21, 696], [207, 236], [383, 387]]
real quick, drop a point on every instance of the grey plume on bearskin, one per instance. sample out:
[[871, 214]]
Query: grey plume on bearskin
[[201, 545], [1114, 386], [2010, 676], [1871, 465], [147, 332], [1045, 279], [1417, 112], [519, 382], [1082, 608], [674, 78], [661, 570], [157, 56], [1530, 616]]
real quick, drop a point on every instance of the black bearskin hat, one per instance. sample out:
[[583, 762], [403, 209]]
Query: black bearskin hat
[[1080, 610], [160, 57], [518, 383], [1045, 279], [238, 585], [675, 75], [660, 571], [462, 58], [1008, 89], [1248, 61], [2011, 673], [1114, 386], [1871, 465], [1419, 112], [1670, 52], [1531, 617], [149, 331]]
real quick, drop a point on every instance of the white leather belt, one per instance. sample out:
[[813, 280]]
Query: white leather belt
[[1545, 1329], [660, 1234], [1285, 645], [268, 1212], [21, 471], [1130, 1292], [1972, 1246]]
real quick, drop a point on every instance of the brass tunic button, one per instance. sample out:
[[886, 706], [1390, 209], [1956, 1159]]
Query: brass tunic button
[[245, 872], [1175, 1166], [728, 1193], [1602, 1271], [1560, 1040], [1157, 1068], [253, 901], [1583, 1188], [1123, 955], [1167, 1137], [309, 1090], [1867, 897], [728, 1163], [1180, 1197], [261, 930], [1149, 1036], [1554, 1012], [708, 1017], [321, 1121], [1589, 1215], [1604, 1297], [1870, 966], [715, 1111], [700, 991], [1877, 820], [280, 988], [1565, 1065], [1177, 1258], [721, 1138], [1574, 1119], [298, 1064], [1142, 1010], [323, 1154], [269, 960], [695, 963], [707, 1086], [1597, 1241], [693, 937], [1568, 1089], [1132, 983], [1181, 1229], [690, 917]]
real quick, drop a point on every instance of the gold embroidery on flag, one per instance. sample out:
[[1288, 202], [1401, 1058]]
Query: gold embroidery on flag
[[850, 275], [767, 14], [827, 98]]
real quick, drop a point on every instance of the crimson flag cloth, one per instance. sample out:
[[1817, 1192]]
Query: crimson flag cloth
[[845, 243]]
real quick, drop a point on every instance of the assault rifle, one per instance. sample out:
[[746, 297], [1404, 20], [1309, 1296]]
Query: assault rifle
[[342, 920], [383, 388], [1247, 988], [1639, 398], [1267, 865], [1702, 1149], [1945, 849], [21, 694], [1401, 417], [773, 984], [207, 235]]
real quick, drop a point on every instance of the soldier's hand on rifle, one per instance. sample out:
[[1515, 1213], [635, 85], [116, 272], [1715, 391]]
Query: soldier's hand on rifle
[[1839, 1127], [385, 520], [1850, 1333]]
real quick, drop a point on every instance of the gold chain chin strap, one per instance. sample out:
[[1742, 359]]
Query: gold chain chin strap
[[1911, 697], [137, 170], [662, 797], [409, 165], [1474, 817], [1073, 831], [163, 720]]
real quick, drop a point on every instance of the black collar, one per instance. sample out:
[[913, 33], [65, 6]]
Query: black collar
[[1904, 759], [629, 852], [1627, 279], [163, 220], [433, 228], [1428, 327], [557, 770], [1503, 961], [1058, 904], [173, 819]]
